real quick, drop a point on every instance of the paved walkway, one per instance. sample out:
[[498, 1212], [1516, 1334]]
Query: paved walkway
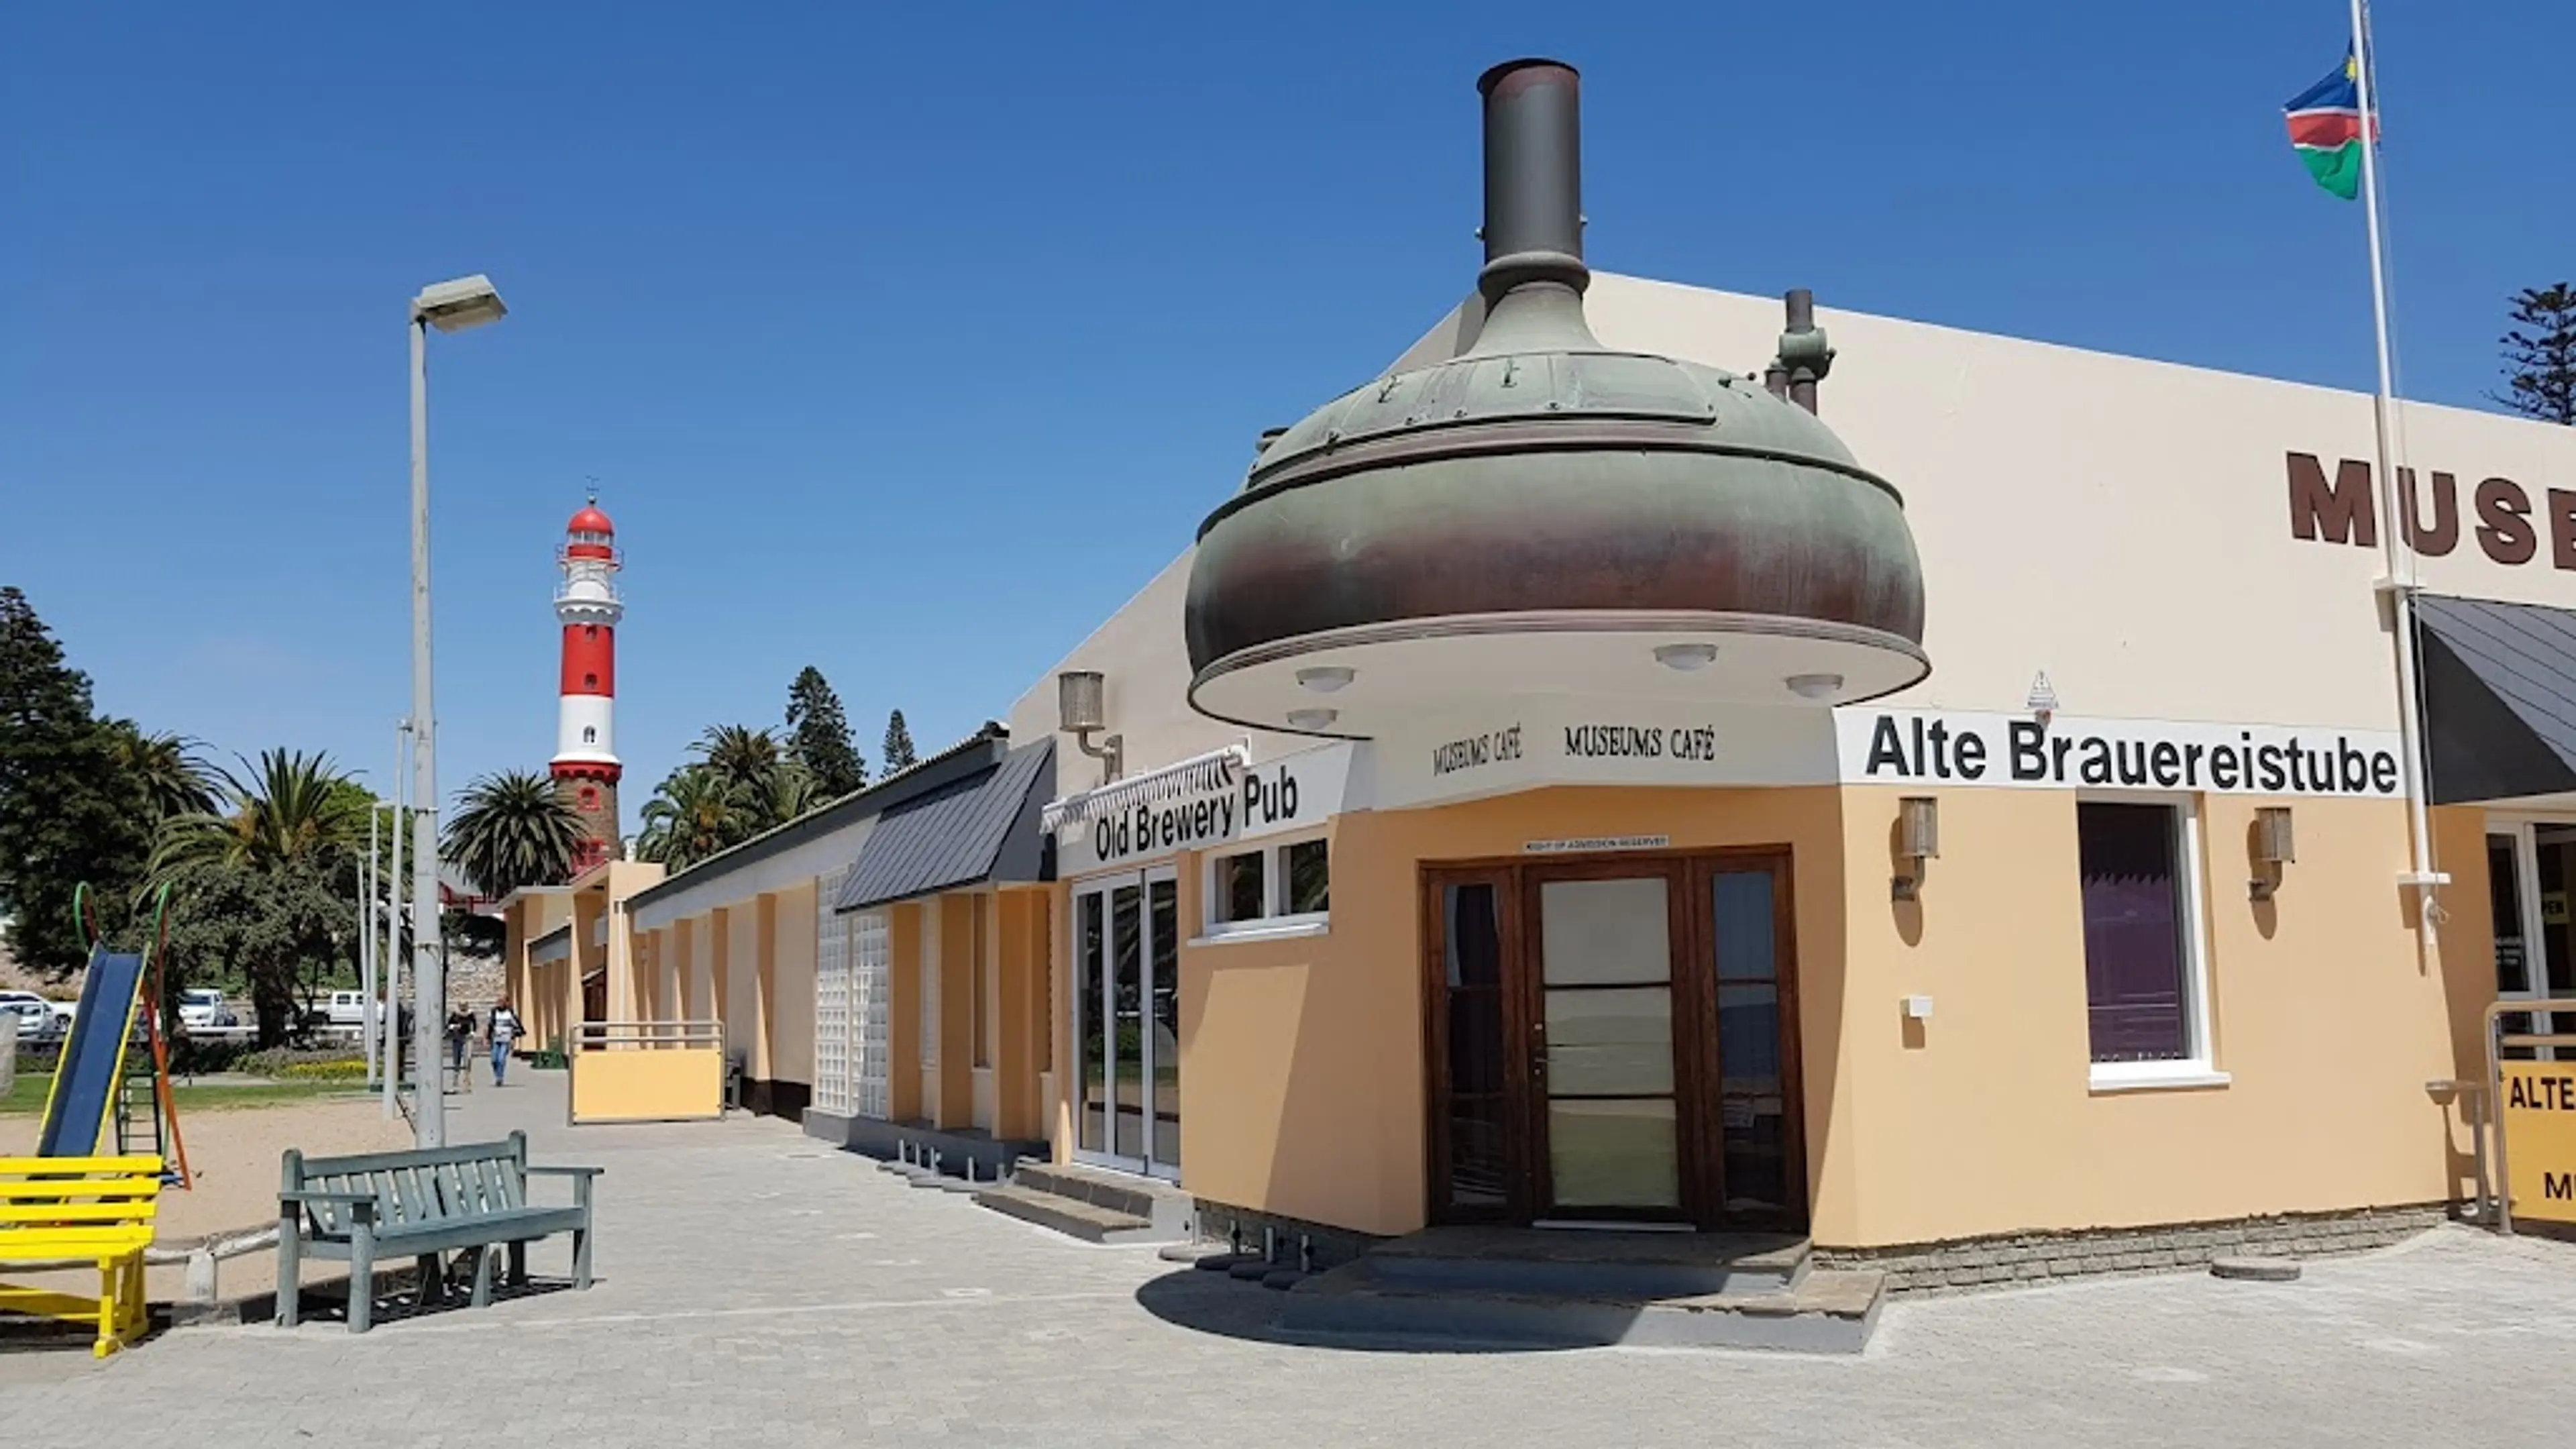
[[758, 1290]]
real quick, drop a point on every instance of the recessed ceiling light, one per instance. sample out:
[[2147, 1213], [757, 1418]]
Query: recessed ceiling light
[[1815, 686], [1312, 719], [1685, 657], [1326, 679]]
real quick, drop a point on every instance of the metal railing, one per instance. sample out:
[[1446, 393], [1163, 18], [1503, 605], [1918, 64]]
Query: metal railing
[[2499, 1041], [591, 1036]]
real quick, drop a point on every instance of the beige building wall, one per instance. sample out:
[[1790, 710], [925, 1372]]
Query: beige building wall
[[791, 979]]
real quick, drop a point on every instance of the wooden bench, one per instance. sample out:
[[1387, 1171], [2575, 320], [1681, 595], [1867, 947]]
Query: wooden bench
[[420, 1205], [92, 1209]]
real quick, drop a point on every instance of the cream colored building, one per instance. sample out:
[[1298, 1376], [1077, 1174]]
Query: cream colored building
[[2143, 583]]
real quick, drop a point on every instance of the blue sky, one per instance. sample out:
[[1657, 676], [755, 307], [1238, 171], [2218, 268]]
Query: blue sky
[[909, 342]]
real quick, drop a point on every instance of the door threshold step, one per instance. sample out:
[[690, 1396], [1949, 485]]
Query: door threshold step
[[1072, 1217], [1828, 1312], [1593, 1262]]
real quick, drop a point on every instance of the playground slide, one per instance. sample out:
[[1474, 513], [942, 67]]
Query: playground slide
[[93, 1060]]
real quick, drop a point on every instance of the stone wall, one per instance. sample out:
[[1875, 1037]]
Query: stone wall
[[2032, 1257]]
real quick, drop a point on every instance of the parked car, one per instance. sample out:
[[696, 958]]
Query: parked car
[[35, 1014], [202, 1008], [64, 1012], [348, 1008]]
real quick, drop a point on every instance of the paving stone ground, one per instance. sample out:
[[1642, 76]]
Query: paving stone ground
[[756, 1289]]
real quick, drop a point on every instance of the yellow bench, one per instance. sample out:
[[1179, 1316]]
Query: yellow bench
[[92, 1209]]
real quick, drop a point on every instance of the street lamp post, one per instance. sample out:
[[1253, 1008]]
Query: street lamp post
[[449, 307]]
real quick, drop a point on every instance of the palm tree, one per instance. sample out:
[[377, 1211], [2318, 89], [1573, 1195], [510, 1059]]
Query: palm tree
[[173, 771], [696, 813], [512, 830], [775, 787], [289, 809]]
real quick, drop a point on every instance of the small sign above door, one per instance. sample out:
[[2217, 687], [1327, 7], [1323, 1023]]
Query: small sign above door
[[1584, 844]]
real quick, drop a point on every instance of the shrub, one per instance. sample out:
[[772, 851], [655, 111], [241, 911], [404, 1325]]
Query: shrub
[[287, 1064]]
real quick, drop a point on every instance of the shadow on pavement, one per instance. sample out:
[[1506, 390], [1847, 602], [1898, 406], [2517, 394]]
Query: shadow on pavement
[[1208, 1302]]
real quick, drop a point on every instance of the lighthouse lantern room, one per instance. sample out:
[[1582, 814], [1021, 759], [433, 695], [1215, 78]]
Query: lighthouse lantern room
[[585, 766]]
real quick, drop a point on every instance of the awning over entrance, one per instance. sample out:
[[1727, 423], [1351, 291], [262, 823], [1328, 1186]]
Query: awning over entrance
[[2499, 698], [983, 828]]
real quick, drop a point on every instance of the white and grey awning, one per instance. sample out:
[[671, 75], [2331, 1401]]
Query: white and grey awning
[[1198, 775]]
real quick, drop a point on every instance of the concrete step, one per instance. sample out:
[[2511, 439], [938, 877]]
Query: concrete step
[[1168, 1208], [1593, 1263], [1828, 1312], [1071, 1216]]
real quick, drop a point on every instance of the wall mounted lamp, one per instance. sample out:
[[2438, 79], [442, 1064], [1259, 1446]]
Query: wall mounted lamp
[[1081, 712], [1918, 839], [2273, 849]]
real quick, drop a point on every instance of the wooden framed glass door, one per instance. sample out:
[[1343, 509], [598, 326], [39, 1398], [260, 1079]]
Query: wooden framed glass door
[[1614, 1039]]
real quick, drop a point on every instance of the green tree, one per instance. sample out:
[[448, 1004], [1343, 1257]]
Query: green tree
[[818, 736], [694, 814], [262, 883], [898, 744], [771, 785], [2540, 354], [71, 813], [512, 830], [171, 767]]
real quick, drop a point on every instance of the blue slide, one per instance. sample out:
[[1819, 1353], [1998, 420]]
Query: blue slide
[[93, 1060]]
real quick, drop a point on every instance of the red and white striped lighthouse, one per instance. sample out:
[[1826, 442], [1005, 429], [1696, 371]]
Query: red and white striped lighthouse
[[585, 766]]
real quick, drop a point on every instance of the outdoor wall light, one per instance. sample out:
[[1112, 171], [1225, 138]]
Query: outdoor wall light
[[1685, 657], [1815, 686], [1326, 679], [1918, 839], [1081, 711], [2273, 849], [1312, 719]]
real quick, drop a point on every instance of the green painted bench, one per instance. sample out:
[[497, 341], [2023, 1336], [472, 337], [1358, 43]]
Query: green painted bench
[[420, 1204]]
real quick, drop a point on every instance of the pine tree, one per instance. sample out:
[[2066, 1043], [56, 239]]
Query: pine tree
[[71, 812], [898, 744], [2540, 355], [818, 736]]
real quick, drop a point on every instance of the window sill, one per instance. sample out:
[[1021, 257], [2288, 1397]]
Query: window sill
[[1282, 929], [2166, 1077]]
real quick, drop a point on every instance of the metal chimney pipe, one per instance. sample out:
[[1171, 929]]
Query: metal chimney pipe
[[1533, 176], [1803, 349]]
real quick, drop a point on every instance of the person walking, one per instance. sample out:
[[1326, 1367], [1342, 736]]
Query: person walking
[[460, 1036], [502, 1030]]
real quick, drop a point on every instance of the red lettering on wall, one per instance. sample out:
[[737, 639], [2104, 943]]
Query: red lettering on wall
[[2335, 512], [2443, 533]]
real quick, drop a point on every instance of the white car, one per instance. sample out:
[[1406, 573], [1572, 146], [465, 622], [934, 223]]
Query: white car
[[348, 1008], [202, 1008], [35, 1014]]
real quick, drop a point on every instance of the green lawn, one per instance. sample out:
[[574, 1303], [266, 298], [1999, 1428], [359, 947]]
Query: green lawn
[[28, 1094]]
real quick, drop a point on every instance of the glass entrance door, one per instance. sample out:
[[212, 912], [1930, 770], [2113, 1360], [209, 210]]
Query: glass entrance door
[[1603, 1037], [2531, 869], [1126, 1006]]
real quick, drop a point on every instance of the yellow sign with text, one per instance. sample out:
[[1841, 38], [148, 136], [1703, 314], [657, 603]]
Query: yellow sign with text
[[2540, 1138]]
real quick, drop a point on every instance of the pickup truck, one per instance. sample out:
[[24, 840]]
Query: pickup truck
[[202, 1008]]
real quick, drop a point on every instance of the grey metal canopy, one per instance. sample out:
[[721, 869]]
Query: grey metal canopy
[[2499, 698], [984, 828]]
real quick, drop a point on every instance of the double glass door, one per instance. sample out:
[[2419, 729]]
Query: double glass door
[[1614, 1040], [2531, 869], [1127, 1021]]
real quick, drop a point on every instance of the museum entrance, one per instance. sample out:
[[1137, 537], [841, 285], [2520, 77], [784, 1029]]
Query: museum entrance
[[1614, 1040]]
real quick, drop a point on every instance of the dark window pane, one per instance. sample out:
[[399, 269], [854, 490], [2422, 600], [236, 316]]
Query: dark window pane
[[1748, 1038], [1127, 1044], [1477, 1175], [2133, 921], [1091, 1021], [1475, 1041], [1475, 935], [1165, 898], [1745, 950], [2550, 859], [1310, 882], [1238, 887], [2504, 896], [1757, 1152]]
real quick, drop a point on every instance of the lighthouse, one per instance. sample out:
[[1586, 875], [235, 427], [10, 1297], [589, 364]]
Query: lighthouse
[[585, 766]]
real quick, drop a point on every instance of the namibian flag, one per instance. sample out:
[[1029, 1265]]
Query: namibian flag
[[2325, 129]]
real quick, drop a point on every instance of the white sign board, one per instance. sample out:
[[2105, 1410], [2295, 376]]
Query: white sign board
[[1535, 742], [1292, 792], [1961, 747]]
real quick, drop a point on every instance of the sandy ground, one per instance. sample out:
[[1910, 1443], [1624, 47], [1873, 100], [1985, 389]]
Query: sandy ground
[[233, 1152]]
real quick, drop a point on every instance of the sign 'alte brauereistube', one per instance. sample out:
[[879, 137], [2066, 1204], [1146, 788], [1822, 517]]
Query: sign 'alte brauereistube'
[[1957, 747]]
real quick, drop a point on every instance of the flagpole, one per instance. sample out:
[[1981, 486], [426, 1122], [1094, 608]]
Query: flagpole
[[2396, 509]]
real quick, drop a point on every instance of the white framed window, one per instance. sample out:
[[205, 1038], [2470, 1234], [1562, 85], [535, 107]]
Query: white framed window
[[1270, 888], [2140, 870]]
